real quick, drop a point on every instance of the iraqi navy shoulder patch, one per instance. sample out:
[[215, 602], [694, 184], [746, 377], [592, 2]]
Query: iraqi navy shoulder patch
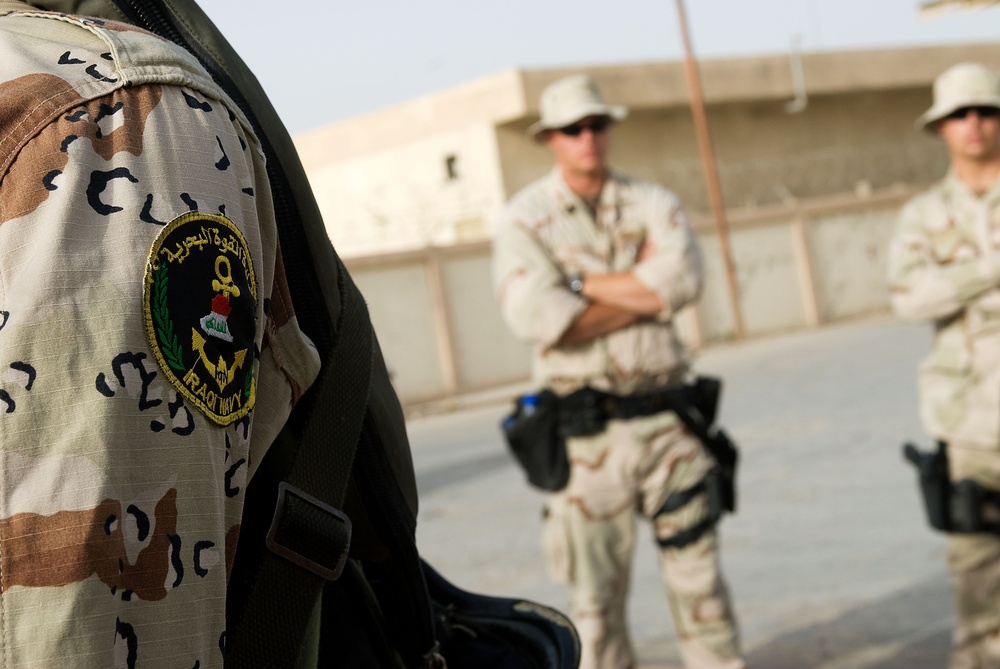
[[200, 301]]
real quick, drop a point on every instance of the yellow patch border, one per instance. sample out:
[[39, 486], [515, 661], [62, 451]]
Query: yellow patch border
[[152, 265]]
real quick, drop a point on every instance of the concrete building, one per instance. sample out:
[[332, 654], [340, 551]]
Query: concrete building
[[434, 170], [813, 169]]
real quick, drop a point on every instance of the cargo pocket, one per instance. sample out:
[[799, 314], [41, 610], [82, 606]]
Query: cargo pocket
[[556, 545]]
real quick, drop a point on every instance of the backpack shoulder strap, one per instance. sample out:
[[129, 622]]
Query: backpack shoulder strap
[[309, 536], [294, 538]]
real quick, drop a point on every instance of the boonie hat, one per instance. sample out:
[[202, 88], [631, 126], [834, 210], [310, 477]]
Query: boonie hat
[[962, 85], [567, 100]]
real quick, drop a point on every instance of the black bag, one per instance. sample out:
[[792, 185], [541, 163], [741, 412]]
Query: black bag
[[483, 632], [536, 441]]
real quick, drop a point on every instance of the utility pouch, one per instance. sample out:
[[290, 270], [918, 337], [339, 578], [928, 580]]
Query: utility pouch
[[533, 436], [935, 485]]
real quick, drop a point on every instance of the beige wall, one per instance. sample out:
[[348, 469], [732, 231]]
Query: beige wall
[[859, 141], [811, 195], [402, 310], [406, 198], [382, 182], [437, 323], [819, 261], [849, 256]]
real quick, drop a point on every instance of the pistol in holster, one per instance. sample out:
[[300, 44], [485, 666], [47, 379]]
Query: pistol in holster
[[951, 506]]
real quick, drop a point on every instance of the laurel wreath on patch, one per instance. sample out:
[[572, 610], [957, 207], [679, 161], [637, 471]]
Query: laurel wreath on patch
[[164, 326], [248, 385]]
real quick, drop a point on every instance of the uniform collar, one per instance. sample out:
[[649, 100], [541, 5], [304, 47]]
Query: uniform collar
[[570, 201], [956, 188]]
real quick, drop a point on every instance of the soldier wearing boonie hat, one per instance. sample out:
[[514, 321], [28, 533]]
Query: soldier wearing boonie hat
[[569, 100], [944, 267], [590, 267], [963, 85]]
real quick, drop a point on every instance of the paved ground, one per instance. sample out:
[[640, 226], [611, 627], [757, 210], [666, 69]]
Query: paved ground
[[829, 559]]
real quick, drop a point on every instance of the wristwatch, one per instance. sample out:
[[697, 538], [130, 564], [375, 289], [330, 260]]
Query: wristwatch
[[575, 283]]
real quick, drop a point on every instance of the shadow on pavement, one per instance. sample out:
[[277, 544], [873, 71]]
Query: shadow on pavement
[[909, 630]]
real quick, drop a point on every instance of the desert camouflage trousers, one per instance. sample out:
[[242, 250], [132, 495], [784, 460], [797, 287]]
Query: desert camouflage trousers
[[589, 537], [974, 563]]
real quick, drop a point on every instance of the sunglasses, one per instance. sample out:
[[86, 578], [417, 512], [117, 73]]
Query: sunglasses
[[596, 126], [981, 112]]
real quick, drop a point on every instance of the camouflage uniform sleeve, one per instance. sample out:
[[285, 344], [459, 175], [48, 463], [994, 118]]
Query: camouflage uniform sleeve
[[674, 270], [925, 281], [146, 353], [530, 288]]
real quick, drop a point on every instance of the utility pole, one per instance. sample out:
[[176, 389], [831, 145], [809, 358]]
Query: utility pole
[[711, 173]]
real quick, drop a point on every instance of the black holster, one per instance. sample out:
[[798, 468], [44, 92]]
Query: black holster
[[955, 507], [721, 479], [935, 486]]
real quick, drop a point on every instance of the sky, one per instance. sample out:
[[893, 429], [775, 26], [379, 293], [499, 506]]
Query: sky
[[322, 61]]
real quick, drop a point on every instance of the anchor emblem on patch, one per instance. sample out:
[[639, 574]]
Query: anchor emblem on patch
[[200, 279]]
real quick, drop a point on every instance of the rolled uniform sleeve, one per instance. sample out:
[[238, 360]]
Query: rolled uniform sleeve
[[674, 271], [530, 288], [933, 272], [546, 233]]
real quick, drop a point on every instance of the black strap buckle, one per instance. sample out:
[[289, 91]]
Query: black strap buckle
[[309, 533]]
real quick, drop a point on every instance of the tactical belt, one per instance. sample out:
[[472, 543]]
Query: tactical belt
[[586, 411]]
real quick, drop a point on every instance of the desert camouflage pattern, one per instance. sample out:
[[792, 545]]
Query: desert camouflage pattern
[[974, 564], [944, 267], [546, 234], [120, 501], [589, 540]]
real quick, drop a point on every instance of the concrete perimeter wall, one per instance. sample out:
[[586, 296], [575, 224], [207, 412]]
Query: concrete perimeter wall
[[797, 265]]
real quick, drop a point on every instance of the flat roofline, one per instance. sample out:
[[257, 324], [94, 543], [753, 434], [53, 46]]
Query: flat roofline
[[659, 85], [511, 95], [489, 100]]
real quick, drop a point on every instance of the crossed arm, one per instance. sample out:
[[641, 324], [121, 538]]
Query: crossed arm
[[922, 287], [616, 301], [539, 307]]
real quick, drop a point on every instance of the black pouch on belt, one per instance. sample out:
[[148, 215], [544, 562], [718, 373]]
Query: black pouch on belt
[[533, 435]]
